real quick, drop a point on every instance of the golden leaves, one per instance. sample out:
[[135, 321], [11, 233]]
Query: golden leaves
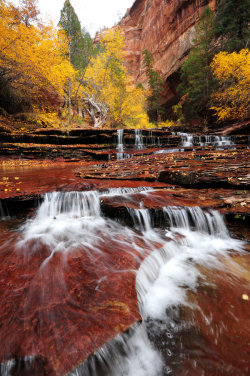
[[233, 72], [32, 55], [109, 82]]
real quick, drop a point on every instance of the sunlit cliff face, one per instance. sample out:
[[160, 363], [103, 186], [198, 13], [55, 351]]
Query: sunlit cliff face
[[166, 29]]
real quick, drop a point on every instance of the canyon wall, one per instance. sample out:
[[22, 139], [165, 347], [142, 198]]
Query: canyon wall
[[166, 29]]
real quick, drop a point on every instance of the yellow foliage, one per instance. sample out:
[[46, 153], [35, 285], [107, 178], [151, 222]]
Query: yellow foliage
[[32, 56], [233, 73], [47, 118], [167, 123], [108, 83]]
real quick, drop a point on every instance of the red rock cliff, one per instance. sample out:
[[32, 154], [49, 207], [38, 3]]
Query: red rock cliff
[[166, 29]]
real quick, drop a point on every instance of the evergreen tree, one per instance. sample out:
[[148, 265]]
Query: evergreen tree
[[155, 109], [232, 24], [197, 81], [70, 23], [79, 47]]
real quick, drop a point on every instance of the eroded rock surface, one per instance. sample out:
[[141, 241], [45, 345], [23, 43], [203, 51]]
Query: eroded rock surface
[[166, 29]]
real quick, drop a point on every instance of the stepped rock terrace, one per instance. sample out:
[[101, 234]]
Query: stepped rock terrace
[[124, 253]]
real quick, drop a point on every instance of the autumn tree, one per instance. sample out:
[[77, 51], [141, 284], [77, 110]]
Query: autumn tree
[[232, 24], [197, 81], [107, 90], [33, 68], [155, 109], [28, 11], [231, 100]]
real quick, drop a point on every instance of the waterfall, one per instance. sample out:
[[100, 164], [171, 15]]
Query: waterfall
[[120, 148], [197, 238], [196, 219], [216, 141], [138, 139], [172, 260], [72, 204], [120, 139], [125, 191], [152, 139], [141, 219], [187, 139]]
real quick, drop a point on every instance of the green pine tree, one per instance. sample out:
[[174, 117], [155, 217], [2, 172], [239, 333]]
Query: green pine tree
[[197, 81], [232, 24], [80, 42], [155, 108], [80, 46]]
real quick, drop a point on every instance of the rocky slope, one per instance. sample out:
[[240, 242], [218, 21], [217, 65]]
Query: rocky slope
[[166, 29]]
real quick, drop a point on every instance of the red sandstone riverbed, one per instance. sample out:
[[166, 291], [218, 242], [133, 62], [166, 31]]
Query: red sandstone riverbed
[[46, 313]]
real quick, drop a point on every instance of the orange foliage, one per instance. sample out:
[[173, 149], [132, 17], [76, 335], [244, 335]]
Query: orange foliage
[[32, 55]]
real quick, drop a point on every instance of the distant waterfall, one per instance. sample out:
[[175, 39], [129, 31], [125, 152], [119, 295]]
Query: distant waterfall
[[138, 139]]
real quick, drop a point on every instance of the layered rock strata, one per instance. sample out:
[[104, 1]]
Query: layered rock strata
[[166, 29]]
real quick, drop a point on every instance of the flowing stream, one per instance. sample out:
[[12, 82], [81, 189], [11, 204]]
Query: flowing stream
[[186, 140], [174, 264]]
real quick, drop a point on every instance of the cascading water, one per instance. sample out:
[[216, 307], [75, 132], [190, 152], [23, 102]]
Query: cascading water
[[187, 139], [194, 239], [152, 139], [120, 146], [138, 139], [70, 225], [216, 141], [190, 140]]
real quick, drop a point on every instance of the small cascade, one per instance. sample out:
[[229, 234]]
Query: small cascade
[[151, 139], [198, 238], [125, 191], [72, 204], [190, 140], [223, 141], [196, 219], [138, 139], [187, 139], [65, 221], [216, 141], [162, 151], [141, 219], [70, 235], [120, 147]]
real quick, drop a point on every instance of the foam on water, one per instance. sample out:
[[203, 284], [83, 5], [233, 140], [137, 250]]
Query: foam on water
[[191, 238], [190, 140], [197, 238], [126, 355], [126, 191], [73, 220], [187, 139]]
